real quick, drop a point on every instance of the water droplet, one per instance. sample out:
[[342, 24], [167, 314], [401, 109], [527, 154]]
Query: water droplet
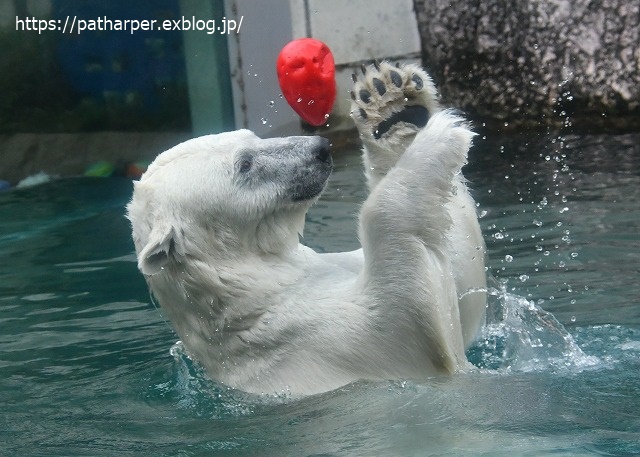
[[508, 258], [561, 264], [272, 103], [523, 278], [299, 100], [263, 120], [310, 103], [573, 318], [482, 214], [498, 236]]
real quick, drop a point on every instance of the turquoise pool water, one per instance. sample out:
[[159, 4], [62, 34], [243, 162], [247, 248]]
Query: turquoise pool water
[[88, 366]]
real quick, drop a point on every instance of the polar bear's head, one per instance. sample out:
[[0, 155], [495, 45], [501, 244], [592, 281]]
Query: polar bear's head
[[224, 195]]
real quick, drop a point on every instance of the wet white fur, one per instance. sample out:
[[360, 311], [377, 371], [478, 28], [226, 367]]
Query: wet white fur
[[465, 245], [263, 313]]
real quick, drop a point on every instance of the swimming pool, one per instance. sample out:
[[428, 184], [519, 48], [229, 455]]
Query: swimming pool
[[89, 366]]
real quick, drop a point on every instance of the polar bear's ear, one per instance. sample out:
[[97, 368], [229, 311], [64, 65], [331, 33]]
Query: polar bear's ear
[[156, 252]]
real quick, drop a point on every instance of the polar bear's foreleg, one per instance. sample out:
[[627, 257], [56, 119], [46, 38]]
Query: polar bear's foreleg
[[403, 230]]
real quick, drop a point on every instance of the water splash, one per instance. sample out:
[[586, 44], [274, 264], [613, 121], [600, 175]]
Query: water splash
[[522, 337], [192, 390]]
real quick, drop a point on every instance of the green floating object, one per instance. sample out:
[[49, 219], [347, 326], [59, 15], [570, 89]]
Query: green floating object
[[101, 169]]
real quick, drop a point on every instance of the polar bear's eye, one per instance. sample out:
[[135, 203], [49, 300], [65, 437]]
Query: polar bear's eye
[[245, 164]]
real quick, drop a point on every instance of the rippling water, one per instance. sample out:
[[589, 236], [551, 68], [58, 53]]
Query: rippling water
[[88, 366]]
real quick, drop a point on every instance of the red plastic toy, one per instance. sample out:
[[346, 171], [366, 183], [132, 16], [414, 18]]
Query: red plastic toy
[[306, 73]]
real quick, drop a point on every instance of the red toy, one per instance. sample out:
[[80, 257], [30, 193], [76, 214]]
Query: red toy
[[306, 73]]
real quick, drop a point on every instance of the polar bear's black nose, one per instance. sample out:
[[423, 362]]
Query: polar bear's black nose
[[322, 149]]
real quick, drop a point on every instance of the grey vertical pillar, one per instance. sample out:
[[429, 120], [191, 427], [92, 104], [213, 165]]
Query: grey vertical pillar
[[207, 64]]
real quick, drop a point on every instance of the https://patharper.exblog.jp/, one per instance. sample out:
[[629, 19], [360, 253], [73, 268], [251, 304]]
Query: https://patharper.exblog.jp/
[[77, 26]]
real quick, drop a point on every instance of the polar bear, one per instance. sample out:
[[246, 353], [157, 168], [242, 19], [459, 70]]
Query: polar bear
[[216, 223]]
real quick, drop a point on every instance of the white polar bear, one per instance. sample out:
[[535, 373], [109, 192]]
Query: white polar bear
[[216, 222]]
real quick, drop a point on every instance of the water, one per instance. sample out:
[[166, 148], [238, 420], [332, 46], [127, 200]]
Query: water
[[88, 366]]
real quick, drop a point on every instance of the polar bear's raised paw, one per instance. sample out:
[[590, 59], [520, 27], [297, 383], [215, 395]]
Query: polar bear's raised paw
[[388, 97], [390, 105]]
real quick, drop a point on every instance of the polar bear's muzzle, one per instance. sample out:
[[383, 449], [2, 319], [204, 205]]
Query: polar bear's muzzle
[[310, 176]]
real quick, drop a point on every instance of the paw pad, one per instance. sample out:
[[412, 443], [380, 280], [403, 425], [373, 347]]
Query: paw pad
[[395, 77], [390, 96], [365, 95], [379, 85], [418, 81]]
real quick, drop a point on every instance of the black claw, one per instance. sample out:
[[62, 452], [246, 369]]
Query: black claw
[[379, 85], [376, 64], [396, 79], [365, 96], [363, 69], [418, 80], [363, 113], [397, 64], [354, 77], [353, 95]]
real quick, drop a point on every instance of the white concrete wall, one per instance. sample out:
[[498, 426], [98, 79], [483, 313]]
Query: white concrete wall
[[356, 31]]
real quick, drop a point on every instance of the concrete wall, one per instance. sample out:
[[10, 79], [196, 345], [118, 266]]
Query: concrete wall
[[69, 154]]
